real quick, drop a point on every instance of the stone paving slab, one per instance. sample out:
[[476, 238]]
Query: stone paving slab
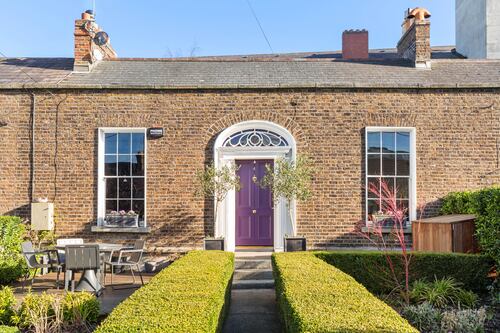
[[253, 311]]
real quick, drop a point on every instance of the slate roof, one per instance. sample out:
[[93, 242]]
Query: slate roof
[[299, 70]]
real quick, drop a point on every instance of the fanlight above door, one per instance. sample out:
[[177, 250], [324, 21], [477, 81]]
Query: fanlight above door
[[255, 138]]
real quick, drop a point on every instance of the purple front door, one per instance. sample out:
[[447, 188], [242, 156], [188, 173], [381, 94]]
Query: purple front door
[[254, 205]]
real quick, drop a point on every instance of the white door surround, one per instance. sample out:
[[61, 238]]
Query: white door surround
[[254, 139]]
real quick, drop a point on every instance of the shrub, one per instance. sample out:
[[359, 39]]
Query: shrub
[[463, 321], [40, 313], [316, 297], [367, 267], [8, 329], [423, 316], [191, 295], [12, 266], [442, 293], [7, 303], [485, 204], [80, 308], [74, 312]]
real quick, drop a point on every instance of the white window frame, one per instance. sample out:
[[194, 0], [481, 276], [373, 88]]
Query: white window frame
[[412, 206], [101, 182]]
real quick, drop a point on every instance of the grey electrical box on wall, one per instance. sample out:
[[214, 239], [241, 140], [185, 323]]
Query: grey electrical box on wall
[[42, 216]]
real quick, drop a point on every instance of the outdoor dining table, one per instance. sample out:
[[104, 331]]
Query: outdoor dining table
[[89, 280]]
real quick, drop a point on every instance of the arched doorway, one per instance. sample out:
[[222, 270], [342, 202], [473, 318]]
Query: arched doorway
[[252, 144]]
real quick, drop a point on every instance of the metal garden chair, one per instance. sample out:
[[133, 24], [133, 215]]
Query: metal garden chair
[[86, 259], [30, 256], [130, 258]]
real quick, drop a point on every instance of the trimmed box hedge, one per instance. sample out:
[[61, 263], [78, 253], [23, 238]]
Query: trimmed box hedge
[[191, 295], [371, 270], [485, 204], [314, 296]]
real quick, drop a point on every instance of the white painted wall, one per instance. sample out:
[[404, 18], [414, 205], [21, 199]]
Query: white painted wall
[[493, 29], [477, 24]]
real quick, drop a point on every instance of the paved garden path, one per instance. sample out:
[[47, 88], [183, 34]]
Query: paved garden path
[[253, 298]]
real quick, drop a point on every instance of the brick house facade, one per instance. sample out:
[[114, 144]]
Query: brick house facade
[[453, 108]]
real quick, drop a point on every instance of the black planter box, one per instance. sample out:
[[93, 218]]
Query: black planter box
[[214, 244], [294, 244]]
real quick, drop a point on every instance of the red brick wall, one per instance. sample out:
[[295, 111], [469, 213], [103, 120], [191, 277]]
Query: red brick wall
[[456, 150]]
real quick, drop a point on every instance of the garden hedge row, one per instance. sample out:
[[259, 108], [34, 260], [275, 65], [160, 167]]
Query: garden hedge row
[[191, 295], [485, 204], [314, 296], [371, 270]]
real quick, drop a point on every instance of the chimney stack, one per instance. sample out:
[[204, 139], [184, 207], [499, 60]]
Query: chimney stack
[[91, 43], [355, 44], [415, 44]]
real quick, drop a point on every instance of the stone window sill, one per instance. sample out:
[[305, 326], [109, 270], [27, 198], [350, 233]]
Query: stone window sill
[[139, 230], [388, 230]]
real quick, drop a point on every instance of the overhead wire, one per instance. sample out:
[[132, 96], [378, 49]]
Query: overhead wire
[[254, 14]]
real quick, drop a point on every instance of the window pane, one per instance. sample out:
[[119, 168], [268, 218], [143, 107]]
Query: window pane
[[110, 165], [111, 188], [373, 164], [387, 190], [110, 143], [138, 143], [403, 142], [403, 164], [111, 206], [373, 142], [124, 205], [124, 143], [404, 206], [373, 187], [124, 188], [402, 187], [388, 142], [388, 164], [138, 188], [123, 165], [138, 207], [373, 208], [137, 165]]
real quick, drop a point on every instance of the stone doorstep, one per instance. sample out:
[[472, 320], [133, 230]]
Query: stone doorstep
[[253, 255], [253, 274], [253, 284], [252, 264]]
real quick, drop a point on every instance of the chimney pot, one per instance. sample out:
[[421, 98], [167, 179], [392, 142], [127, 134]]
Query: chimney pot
[[355, 44]]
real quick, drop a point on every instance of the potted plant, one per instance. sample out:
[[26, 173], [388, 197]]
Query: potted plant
[[121, 219], [291, 181], [215, 183]]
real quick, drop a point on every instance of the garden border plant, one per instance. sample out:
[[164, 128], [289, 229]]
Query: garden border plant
[[307, 288], [191, 295], [12, 266]]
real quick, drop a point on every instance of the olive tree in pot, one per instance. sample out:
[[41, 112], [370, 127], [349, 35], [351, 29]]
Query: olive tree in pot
[[214, 183], [290, 180]]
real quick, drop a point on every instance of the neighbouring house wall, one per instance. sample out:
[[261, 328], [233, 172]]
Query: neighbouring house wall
[[493, 34], [470, 22], [457, 148], [478, 28]]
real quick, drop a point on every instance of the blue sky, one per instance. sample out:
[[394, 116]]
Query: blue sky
[[163, 28]]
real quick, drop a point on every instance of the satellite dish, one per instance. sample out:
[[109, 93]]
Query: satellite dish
[[101, 38]]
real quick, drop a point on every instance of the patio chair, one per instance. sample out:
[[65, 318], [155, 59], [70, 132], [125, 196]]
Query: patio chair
[[82, 258], [130, 258], [30, 256], [61, 255]]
